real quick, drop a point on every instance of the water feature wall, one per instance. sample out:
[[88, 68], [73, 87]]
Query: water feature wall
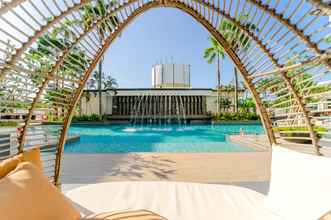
[[162, 108]]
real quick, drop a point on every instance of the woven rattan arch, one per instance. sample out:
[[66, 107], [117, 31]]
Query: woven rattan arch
[[265, 58]]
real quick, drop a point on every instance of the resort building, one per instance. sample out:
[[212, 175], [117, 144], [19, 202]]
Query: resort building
[[171, 95], [122, 102]]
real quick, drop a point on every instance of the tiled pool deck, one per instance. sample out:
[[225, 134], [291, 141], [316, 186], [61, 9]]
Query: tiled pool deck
[[251, 169], [191, 167]]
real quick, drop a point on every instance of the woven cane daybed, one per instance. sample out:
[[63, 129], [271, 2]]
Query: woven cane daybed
[[297, 191], [25, 193], [47, 43]]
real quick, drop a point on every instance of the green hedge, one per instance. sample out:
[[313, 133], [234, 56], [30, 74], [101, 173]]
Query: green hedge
[[92, 117], [8, 123], [317, 129], [236, 116]]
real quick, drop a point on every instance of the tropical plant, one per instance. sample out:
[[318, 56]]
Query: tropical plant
[[316, 128], [41, 57], [110, 83], [236, 116], [225, 103], [247, 105], [237, 41], [91, 13], [85, 118], [8, 123], [215, 52], [2, 92]]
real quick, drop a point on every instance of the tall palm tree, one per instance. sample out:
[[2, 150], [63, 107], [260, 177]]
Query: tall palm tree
[[110, 83], [237, 41], [215, 51], [91, 13]]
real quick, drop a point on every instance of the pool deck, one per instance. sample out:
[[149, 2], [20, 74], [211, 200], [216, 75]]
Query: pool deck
[[250, 169]]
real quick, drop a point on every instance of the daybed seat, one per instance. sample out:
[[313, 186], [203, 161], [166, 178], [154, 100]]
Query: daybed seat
[[25, 193], [300, 190], [174, 200]]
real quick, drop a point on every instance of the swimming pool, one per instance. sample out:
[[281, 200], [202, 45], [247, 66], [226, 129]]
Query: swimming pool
[[154, 138]]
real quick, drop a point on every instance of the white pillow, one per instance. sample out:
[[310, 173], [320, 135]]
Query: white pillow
[[300, 186]]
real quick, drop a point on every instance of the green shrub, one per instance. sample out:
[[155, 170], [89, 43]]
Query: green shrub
[[317, 129], [84, 118], [236, 116], [8, 123]]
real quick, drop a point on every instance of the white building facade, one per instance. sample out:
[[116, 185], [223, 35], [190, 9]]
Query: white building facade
[[171, 76]]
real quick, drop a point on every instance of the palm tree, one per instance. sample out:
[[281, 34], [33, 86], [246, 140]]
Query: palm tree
[[237, 41], [215, 51], [91, 13], [110, 83], [247, 105]]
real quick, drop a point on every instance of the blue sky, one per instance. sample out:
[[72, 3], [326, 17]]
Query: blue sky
[[162, 34]]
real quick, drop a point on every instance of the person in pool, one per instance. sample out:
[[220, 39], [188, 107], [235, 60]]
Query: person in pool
[[242, 132]]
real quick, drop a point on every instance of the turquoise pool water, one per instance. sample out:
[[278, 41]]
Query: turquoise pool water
[[169, 138]]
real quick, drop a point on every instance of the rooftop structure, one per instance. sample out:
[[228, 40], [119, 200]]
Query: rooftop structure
[[171, 76]]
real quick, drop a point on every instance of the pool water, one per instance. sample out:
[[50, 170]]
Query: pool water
[[163, 138]]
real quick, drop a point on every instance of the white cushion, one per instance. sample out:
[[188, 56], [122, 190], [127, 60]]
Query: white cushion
[[300, 185]]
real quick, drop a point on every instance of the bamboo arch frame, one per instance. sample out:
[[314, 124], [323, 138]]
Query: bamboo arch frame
[[65, 54], [77, 6], [191, 7]]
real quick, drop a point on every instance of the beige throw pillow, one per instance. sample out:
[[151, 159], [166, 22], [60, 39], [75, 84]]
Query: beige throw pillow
[[32, 155], [25, 193]]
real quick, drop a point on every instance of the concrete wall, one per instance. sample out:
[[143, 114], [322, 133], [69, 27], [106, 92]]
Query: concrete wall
[[92, 106], [211, 104]]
